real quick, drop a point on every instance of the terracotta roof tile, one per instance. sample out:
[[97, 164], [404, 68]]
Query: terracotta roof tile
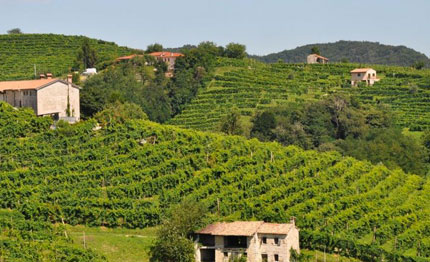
[[128, 57], [319, 56], [361, 70], [25, 84], [271, 228], [166, 54], [244, 228]]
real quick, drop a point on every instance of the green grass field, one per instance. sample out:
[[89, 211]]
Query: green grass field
[[117, 244]]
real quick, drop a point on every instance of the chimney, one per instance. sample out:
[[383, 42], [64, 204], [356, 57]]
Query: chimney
[[49, 76], [70, 79], [42, 76], [293, 220]]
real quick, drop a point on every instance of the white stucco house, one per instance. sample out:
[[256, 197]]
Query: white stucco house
[[367, 75], [47, 96]]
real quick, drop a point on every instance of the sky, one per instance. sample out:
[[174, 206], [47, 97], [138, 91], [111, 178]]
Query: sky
[[264, 26]]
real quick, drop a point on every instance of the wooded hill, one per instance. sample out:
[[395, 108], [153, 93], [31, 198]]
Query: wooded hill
[[52, 53], [352, 51], [127, 175]]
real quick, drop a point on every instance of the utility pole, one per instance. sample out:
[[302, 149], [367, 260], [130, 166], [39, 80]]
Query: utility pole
[[35, 74]]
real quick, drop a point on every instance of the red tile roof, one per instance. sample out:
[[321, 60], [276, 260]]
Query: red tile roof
[[361, 70], [166, 54], [25, 84], [30, 84], [128, 57], [319, 56], [243, 228]]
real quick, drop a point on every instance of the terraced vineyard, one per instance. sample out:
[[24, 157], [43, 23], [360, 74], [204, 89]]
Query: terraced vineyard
[[127, 175], [253, 86], [49, 52]]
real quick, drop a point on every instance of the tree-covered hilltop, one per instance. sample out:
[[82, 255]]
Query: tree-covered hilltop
[[352, 51], [52, 53], [129, 174]]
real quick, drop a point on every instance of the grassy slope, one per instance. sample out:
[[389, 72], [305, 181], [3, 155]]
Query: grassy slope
[[126, 245], [49, 52], [252, 86]]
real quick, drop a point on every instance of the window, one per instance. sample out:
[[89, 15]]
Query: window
[[225, 254], [264, 258], [276, 258], [359, 74], [264, 240], [276, 241]]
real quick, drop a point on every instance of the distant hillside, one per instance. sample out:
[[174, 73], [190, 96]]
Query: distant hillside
[[49, 52], [353, 51], [253, 86]]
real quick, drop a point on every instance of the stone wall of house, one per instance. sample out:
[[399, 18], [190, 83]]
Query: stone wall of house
[[54, 99], [20, 98]]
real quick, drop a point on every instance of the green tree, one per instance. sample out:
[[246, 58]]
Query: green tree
[[315, 50], [119, 112], [174, 237], [14, 31], [87, 55], [234, 50], [154, 48], [231, 123], [419, 65], [156, 103], [263, 125]]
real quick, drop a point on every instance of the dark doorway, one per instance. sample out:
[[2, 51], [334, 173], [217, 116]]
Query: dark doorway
[[207, 255]]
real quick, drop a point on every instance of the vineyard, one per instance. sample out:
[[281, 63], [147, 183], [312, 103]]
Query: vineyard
[[128, 175], [49, 52], [24, 240], [252, 86]]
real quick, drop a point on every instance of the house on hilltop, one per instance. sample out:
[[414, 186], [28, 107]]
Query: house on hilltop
[[167, 57], [127, 58], [367, 75], [258, 241], [316, 59], [47, 96]]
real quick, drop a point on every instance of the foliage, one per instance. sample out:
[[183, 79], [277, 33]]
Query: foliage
[[315, 50], [51, 53], [110, 178], [240, 258], [174, 237], [20, 122], [154, 48], [14, 31], [354, 51], [119, 112], [419, 65], [234, 50], [25, 240], [231, 124], [87, 55]]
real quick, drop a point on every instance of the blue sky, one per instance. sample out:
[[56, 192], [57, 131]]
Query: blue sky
[[264, 26]]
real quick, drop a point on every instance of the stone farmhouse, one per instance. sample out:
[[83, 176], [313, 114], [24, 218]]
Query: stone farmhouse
[[367, 75], [317, 59], [47, 96], [257, 240]]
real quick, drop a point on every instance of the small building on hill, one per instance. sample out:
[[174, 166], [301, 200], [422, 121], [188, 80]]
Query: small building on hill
[[167, 57], [367, 75], [258, 241], [47, 96], [316, 59]]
